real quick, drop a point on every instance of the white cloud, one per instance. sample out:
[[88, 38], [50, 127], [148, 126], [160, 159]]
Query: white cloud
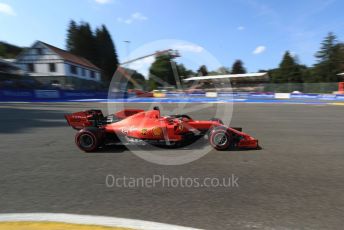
[[138, 16], [6, 9], [259, 50], [134, 17], [103, 1], [188, 48], [240, 28]]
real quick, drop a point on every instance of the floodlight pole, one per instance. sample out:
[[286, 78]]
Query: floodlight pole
[[127, 47]]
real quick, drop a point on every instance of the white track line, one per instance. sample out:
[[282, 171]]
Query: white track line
[[91, 220]]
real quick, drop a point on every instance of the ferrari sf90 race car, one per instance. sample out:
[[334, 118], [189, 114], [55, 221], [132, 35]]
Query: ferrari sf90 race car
[[136, 126]]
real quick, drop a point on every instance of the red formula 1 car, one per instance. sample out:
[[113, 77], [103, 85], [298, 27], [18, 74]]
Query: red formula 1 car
[[135, 126]]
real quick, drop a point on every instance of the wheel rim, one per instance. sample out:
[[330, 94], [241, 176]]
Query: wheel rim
[[220, 139], [86, 141]]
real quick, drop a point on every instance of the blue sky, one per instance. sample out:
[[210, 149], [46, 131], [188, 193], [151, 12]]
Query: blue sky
[[257, 32]]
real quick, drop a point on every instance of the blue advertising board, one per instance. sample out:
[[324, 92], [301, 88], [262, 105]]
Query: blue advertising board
[[71, 95]]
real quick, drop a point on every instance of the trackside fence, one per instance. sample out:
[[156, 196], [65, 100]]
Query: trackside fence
[[70, 95]]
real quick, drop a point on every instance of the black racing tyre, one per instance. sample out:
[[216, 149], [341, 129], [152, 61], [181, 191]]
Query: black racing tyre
[[88, 140], [220, 139], [217, 119]]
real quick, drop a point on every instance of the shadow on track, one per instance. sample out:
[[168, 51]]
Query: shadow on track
[[16, 120]]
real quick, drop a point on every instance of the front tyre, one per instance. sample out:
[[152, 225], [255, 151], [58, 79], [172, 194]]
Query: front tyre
[[220, 139], [87, 140]]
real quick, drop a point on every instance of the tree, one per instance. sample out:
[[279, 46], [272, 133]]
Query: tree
[[2, 50], [161, 72], [81, 41], [183, 72], [289, 71], [106, 53], [330, 60], [138, 78], [238, 67], [202, 71], [220, 71], [97, 47], [72, 33], [327, 48], [223, 70], [9, 51], [339, 57], [86, 43]]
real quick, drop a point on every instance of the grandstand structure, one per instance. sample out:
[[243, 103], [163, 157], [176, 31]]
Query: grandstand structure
[[9, 68], [249, 82]]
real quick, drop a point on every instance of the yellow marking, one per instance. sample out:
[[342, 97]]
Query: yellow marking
[[337, 103], [159, 95], [144, 131], [32, 225]]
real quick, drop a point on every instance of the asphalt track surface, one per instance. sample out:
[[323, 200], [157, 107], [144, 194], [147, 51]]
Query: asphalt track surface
[[295, 182]]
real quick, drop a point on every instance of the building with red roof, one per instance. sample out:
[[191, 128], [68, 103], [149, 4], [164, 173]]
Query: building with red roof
[[49, 63]]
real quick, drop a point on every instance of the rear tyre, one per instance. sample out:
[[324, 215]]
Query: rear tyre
[[220, 139], [88, 140]]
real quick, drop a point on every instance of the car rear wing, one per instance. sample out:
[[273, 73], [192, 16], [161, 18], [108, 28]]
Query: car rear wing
[[80, 120]]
